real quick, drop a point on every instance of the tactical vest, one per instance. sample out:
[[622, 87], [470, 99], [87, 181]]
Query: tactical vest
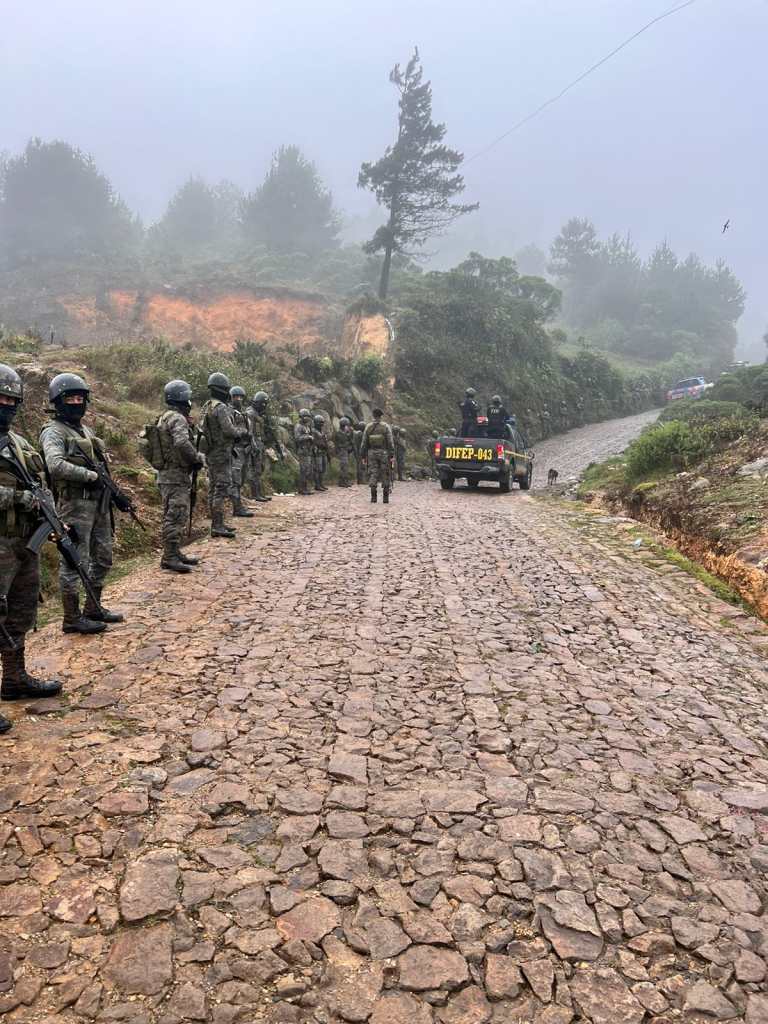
[[17, 521], [377, 438], [79, 449], [171, 458], [210, 429]]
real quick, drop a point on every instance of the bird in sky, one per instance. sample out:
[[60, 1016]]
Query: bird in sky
[[726, 226]]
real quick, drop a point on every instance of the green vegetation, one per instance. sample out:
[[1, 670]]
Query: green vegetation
[[647, 309], [418, 176]]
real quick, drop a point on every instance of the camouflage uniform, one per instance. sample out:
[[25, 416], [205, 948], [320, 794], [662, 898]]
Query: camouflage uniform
[[241, 457], [320, 457], [430, 449], [79, 501], [344, 443], [177, 440], [262, 436], [378, 447], [19, 568], [401, 447], [303, 436], [357, 441], [220, 433]]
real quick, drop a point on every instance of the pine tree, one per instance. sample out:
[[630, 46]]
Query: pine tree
[[291, 211], [417, 177]]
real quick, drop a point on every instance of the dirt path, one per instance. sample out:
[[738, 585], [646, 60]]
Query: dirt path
[[571, 453], [467, 758]]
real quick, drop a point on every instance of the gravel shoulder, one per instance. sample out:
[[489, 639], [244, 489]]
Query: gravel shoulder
[[460, 759]]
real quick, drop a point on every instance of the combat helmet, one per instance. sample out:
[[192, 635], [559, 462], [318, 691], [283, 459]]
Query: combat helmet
[[64, 384], [305, 414], [469, 392], [177, 392], [318, 420], [435, 434], [496, 400], [260, 398], [237, 392], [11, 384], [218, 384], [343, 422]]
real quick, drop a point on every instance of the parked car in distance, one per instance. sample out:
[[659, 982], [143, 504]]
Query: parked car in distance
[[692, 387]]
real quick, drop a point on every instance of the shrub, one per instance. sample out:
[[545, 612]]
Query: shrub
[[665, 446], [703, 411], [368, 372]]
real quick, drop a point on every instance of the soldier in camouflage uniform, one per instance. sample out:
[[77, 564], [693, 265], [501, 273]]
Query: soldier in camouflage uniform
[[344, 443], [241, 452], [320, 453], [377, 448], [219, 435], [67, 447], [359, 465], [262, 435], [305, 443], [180, 460], [19, 567], [431, 454], [401, 446]]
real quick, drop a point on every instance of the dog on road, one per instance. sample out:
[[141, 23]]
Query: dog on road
[[552, 476]]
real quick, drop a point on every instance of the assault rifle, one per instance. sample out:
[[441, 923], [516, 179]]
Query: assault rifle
[[51, 526], [111, 493]]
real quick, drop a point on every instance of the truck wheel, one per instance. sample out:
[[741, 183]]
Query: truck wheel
[[447, 482], [473, 484], [504, 484], [527, 480]]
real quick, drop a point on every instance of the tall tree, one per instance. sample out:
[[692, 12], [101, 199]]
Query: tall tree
[[291, 211], [55, 202], [417, 177], [198, 215]]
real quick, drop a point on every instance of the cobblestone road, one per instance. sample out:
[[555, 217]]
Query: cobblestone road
[[571, 453], [467, 758]]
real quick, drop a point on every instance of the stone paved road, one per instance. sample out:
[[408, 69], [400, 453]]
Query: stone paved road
[[463, 759], [571, 453]]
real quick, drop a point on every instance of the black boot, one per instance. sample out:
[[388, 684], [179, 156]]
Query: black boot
[[241, 512], [187, 559], [256, 494], [18, 684], [74, 620], [386, 497], [172, 560], [374, 497], [5, 725], [99, 614], [218, 529]]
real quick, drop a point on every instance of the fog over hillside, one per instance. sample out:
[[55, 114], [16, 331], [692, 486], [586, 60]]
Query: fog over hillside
[[664, 141]]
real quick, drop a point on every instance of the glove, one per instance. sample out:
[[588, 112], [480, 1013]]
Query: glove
[[27, 500], [122, 502], [92, 477]]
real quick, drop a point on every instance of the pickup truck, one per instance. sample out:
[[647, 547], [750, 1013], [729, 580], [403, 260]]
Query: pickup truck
[[692, 387], [502, 459]]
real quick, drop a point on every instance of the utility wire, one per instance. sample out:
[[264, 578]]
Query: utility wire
[[582, 76]]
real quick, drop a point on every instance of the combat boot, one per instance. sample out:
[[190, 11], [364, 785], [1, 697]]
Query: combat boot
[[18, 684], [99, 613], [241, 512], [74, 620], [173, 561], [374, 496], [187, 559], [256, 494], [218, 529], [385, 497]]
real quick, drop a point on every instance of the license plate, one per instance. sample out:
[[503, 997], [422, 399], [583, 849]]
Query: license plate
[[469, 454]]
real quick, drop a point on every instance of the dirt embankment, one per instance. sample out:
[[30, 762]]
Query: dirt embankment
[[217, 322]]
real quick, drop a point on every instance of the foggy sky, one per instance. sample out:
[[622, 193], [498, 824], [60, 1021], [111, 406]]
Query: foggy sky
[[666, 141]]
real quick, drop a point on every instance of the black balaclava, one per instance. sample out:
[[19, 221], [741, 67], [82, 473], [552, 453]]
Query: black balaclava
[[71, 414], [7, 412]]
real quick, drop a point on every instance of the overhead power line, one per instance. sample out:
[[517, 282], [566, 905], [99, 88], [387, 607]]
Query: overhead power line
[[582, 76]]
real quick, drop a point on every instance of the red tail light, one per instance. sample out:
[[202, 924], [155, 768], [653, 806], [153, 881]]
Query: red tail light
[[499, 451], [438, 449]]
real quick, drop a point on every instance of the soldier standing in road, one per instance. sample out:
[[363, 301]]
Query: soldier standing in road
[[431, 454], [344, 441], [377, 449], [19, 567], [320, 452], [305, 443], [261, 436], [358, 440], [469, 410], [241, 452], [68, 446], [180, 460], [401, 446], [219, 435]]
